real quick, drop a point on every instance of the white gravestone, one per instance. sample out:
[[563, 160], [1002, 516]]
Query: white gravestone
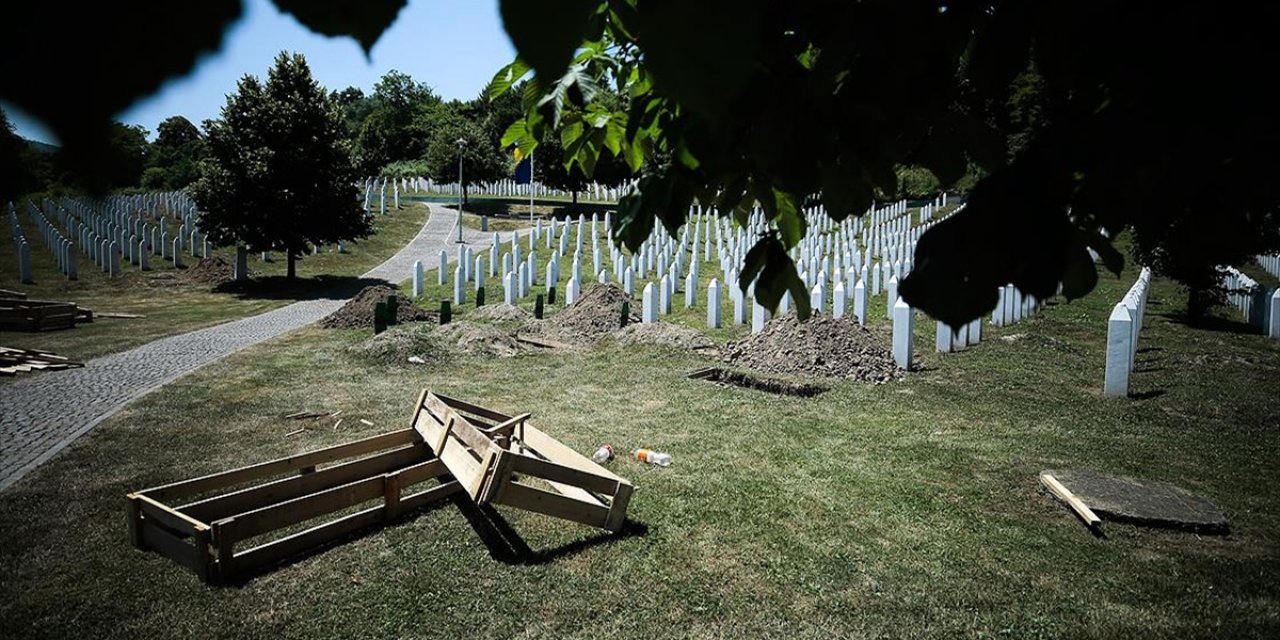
[[861, 300], [417, 279], [1119, 336], [442, 272], [839, 300], [459, 286], [892, 297], [903, 334], [942, 343], [649, 304], [713, 304], [759, 317]]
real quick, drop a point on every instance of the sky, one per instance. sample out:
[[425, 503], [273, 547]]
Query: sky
[[454, 46]]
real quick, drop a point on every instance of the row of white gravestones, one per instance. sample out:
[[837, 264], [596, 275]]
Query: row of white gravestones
[[1271, 264], [1255, 301], [63, 250], [501, 188], [1012, 306], [1123, 327]]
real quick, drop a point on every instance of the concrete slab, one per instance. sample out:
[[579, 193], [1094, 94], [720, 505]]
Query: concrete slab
[[1142, 502]]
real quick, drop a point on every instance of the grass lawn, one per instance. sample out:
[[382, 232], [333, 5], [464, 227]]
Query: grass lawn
[[909, 509], [172, 308]]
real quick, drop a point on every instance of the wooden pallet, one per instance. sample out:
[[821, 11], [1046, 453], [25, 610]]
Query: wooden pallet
[[494, 456], [15, 361], [218, 515], [40, 315]]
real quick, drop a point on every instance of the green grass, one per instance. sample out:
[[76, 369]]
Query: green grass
[[904, 510], [177, 308]]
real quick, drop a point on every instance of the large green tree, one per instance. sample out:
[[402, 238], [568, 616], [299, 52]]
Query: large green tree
[[173, 160], [394, 129], [483, 158], [278, 175], [23, 169]]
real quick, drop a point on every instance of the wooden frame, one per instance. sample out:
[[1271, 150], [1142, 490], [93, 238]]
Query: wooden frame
[[492, 455], [220, 513]]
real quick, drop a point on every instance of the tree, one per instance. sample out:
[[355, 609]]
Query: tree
[[483, 161], [393, 131], [754, 101], [174, 158], [278, 176], [764, 102], [23, 169]]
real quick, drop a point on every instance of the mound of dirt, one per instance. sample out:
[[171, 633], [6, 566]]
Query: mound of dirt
[[397, 344], [478, 339], [823, 346], [211, 271], [502, 313], [663, 334], [357, 313], [595, 314]]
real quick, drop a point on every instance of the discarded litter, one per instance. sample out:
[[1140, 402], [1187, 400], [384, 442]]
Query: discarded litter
[[603, 454], [652, 457], [416, 360]]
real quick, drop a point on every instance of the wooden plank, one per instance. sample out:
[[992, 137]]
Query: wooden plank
[[542, 342], [174, 548], [563, 474], [133, 514], [461, 464], [560, 454], [281, 465], [290, 512], [225, 533], [461, 405], [499, 477], [462, 428], [618, 507], [180, 522], [417, 473], [277, 550], [256, 497], [553, 504], [1090, 518], [576, 493]]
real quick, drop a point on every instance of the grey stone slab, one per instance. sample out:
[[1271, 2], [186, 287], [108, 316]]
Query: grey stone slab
[[1142, 502]]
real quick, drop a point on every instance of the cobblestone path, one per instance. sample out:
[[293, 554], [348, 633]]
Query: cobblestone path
[[41, 415]]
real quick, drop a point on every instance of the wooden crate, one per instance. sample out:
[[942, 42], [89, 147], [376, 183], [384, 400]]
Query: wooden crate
[[200, 523], [493, 456]]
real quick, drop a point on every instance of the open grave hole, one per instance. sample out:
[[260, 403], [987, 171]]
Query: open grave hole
[[722, 376]]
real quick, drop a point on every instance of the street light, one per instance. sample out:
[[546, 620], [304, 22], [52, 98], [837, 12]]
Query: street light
[[462, 144]]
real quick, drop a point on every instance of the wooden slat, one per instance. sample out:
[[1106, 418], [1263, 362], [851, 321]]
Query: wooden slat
[[576, 493], [161, 513], [177, 549], [618, 507], [410, 476], [462, 427], [461, 405], [275, 551], [563, 474], [558, 453], [260, 496], [552, 504], [282, 465], [290, 512], [1090, 518]]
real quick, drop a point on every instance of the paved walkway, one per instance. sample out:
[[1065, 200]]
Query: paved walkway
[[41, 415]]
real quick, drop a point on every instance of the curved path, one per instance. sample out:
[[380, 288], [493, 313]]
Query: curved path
[[41, 415]]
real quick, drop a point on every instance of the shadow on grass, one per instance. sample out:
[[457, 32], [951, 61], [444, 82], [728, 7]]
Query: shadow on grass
[[1212, 323], [325, 287], [1147, 395], [507, 546]]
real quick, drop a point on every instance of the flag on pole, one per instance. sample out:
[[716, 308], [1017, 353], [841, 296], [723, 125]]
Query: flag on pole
[[524, 169]]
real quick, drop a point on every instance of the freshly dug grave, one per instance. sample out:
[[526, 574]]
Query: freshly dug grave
[[502, 313], [397, 344], [478, 339], [823, 346], [357, 313], [663, 334], [779, 386], [595, 314], [211, 271]]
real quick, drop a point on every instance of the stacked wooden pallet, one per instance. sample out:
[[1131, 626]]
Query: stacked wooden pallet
[[15, 361], [226, 524], [40, 315]]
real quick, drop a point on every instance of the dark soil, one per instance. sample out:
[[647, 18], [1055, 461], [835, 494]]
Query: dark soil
[[595, 314], [210, 271], [746, 381], [357, 313], [822, 346]]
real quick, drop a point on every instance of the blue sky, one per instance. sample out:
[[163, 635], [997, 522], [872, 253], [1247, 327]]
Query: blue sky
[[455, 46]]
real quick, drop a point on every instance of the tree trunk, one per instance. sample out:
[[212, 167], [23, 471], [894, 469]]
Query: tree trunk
[[575, 197], [292, 261], [1199, 301]]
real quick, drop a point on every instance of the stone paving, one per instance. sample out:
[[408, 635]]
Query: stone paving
[[41, 415]]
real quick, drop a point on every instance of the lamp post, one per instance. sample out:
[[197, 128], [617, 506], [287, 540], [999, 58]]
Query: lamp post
[[462, 144]]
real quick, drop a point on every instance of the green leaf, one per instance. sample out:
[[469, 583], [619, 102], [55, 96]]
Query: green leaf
[[364, 20], [505, 78], [703, 52], [1111, 259], [1080, 274], [615, 133], [546, 33], [518, 135], [844, 193], [788, 218], [770, 267]]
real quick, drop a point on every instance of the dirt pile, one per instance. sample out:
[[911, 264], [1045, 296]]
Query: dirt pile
[[211, 271], [595, 314], [502, 313], [823, 346], [397, 344], [663, 334], [478, 339], [357, 313]]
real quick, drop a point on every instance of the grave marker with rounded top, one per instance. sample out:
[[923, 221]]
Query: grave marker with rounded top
[[571, 291], [177, 252]]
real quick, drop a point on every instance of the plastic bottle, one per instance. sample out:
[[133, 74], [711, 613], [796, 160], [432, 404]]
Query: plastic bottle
[[603, 454], [652, 457]]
